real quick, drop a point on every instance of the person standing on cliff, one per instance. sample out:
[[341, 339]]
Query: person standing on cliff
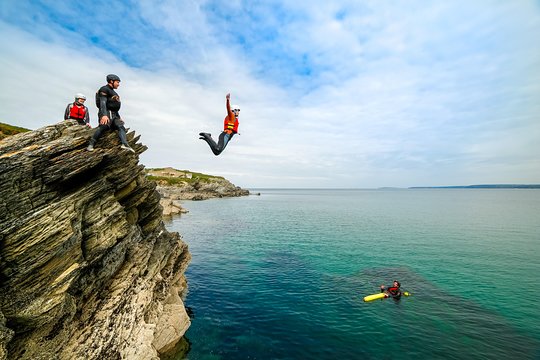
[[78, 111], [108, 103], [230, 127]]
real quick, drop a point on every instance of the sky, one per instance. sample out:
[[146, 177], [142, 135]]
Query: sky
[[333, 94]]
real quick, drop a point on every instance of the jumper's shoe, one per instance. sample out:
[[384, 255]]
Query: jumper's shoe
[[127, 147], [205, 134], [90, 147], [202, 138]]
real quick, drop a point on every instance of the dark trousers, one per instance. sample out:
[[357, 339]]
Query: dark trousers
[[114, 124], [224, 139]]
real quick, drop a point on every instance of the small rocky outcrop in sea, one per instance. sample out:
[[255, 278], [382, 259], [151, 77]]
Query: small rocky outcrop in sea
[[186, 185], [172, 207], [87, 268]]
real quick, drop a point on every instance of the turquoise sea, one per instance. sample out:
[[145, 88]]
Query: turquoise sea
[[282, 275]]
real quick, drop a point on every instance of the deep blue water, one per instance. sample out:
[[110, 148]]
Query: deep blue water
[[282, 275]]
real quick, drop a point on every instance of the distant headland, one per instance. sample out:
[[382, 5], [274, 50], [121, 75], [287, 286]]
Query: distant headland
[[174, 185], [484, 186]]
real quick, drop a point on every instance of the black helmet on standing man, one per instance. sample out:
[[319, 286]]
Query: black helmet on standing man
[[112, 77]]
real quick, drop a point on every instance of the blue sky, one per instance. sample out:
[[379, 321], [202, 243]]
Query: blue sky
[[333, 94]]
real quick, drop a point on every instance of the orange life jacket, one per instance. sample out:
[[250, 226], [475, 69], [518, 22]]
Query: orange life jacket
[[77, 112], [229, 124]]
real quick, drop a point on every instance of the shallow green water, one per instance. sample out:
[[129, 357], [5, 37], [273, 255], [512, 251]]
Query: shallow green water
[[282, 275]]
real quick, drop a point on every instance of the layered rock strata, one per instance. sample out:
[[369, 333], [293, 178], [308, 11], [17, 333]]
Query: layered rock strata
[[87, 268]]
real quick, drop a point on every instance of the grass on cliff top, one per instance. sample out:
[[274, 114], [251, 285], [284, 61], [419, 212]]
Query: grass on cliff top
[[8, 130], [159, 176]]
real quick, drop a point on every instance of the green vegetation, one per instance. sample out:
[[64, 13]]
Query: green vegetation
[[173, 180], [8, 130]]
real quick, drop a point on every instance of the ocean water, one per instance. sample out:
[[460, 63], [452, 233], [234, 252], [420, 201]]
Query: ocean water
[[282, 275]]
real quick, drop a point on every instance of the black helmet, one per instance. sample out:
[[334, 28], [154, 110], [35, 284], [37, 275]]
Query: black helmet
[[112, 77]]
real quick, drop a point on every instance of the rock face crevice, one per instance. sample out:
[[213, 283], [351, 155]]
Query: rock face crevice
[[87, 269]]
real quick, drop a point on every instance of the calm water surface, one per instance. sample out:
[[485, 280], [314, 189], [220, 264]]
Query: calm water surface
[[282, 275]]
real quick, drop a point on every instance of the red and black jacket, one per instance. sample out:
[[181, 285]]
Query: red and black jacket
[[77, 112]]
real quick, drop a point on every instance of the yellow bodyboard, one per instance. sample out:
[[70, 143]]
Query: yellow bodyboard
[[374, 297], [381, 296]]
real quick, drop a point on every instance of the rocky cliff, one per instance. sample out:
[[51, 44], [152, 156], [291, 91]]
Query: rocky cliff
[[87, 269]]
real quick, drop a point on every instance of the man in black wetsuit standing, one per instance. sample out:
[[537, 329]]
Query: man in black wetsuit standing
[[108, 103]]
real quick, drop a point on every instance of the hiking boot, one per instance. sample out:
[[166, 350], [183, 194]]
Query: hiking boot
[[90, 147], [127, 147]]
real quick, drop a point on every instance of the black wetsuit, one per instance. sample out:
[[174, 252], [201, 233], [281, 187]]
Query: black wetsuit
[[108, 103]]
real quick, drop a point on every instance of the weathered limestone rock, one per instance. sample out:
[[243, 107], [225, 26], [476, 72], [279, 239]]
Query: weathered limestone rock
[[5, 336], [87, 269]]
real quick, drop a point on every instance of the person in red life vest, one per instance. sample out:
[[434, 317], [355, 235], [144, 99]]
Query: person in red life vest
[[78, 111], [230, 127], [393, 291], [108, 103]]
